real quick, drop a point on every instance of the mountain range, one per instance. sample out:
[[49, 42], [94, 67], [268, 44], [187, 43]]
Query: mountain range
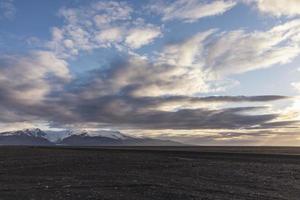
[[37, 137]]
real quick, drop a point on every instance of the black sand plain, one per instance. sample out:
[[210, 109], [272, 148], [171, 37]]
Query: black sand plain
[[151, 173]]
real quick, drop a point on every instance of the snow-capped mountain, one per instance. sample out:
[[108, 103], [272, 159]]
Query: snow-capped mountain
[[25, 137], [112, 138], [28, 132], [37, 137]]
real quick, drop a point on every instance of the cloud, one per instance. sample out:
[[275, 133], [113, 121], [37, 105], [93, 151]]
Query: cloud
[[196, 65], [145, 112], [113, 98], [139, 37], [7, 9], [140, 77], [163, 91], [279, 8], [235, 52], [190, 10], [110, 99], [195, 119], [186, 52], [287, 124], [296, 85], [239, 51], [101, 25], [122, 112], [110, 35], [34, 73], [241, 138], [133, 92], [157, 103], [263, 98]]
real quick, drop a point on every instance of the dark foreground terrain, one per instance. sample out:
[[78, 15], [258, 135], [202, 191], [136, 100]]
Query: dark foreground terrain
[[149, 173]]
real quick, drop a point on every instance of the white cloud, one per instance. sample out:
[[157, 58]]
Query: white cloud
[[139, 37], [187, 52], [296, 85], [100, 25], [7, 9], [215, 56], [113, 34], [237, 51], [190, 10], [199, 64], [279, 8], [110, 11], [240, 51]]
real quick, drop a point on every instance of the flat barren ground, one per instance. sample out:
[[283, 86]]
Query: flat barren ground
[[149, 173]]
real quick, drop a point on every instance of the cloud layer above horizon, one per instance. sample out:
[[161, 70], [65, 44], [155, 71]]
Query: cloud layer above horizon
[[125, 65]]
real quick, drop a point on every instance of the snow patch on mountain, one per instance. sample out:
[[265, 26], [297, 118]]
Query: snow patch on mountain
[[102, 133]]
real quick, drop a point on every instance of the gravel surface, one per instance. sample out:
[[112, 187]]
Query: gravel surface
[[152, 174]]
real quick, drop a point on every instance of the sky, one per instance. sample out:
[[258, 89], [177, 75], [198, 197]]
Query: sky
[[223, 72]]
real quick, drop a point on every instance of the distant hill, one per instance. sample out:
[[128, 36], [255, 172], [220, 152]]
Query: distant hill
[[37, 137]]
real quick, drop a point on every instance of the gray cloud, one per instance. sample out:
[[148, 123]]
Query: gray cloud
[[45, 91], [130, 112], [262, 98], [232, 138], [290, 124]]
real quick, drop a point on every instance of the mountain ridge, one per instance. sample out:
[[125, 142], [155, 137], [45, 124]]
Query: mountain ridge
[[37, 137]]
